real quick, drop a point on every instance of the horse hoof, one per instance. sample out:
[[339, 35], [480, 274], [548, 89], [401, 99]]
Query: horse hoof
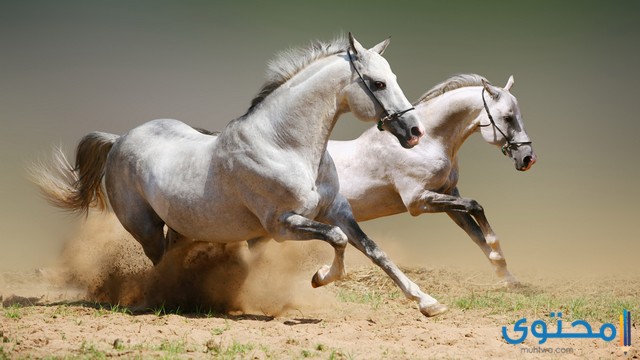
[[512, 283], [433, 310], [320, 277], [315, 282], [507, 280]]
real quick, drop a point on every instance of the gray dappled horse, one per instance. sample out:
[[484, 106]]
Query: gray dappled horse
[[267, 174], [381, 179]]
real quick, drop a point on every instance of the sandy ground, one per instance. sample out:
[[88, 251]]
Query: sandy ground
[[105, 300]]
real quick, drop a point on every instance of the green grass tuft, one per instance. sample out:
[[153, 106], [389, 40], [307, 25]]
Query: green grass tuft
[[91, 352], [13, 312], [172, 347], [371, 297], [585, 307], [234, 351]]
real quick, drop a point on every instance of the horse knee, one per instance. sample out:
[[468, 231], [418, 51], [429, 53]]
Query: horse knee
[[419, 205], [474, 207]]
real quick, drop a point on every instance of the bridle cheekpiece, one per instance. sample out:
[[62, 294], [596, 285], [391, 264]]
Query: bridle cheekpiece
[[388, 116]]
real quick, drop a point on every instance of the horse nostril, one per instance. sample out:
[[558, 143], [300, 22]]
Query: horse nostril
[[415, 131], [527, 160]]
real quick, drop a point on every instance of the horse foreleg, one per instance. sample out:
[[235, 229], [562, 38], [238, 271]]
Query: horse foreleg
[[496, 256], [469, 225], [297, 227], [145, 226], [342, 216], [461, 210]]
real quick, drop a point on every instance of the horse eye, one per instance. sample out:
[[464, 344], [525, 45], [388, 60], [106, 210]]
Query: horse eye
[[380, 85], [508, 118]]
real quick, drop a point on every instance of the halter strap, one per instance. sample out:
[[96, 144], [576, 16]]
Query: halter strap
[[513, 145], [388, 116]]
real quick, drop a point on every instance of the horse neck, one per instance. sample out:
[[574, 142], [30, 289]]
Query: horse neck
[[452, 117], [302, 112]]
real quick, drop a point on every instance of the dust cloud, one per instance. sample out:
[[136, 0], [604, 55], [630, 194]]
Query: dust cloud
[[105, 262]]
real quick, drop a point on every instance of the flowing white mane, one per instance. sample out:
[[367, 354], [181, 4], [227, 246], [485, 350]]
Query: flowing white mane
[[290, 62], [452, 83]]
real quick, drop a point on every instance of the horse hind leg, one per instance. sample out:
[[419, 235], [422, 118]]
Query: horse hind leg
[[174, 238], [151, 237], [146, 227]]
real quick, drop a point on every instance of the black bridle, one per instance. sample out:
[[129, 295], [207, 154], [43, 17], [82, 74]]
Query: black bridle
[[388, 116], [509, 145]]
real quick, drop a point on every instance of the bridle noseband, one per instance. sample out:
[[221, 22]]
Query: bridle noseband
[[388, 116], [509, 145]]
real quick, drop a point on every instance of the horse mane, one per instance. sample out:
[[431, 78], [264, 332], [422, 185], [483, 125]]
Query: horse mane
[[288, 63], [205, 131], [452, 83]]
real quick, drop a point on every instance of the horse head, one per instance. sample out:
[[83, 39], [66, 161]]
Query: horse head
[[374, 94], [502, 125]]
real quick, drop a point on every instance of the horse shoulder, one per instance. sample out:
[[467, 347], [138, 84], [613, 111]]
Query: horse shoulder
[[244, 161], [426, 169], [361, 165], [428, 165]]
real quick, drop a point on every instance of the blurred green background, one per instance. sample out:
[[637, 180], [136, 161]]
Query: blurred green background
[[70, 67]]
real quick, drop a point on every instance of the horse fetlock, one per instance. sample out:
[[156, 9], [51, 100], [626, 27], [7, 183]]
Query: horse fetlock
[[494, 244], [495, 256], [492, 240]]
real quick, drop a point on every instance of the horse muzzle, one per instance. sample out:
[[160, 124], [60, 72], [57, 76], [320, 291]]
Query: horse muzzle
[[407, 129], [525, 162]]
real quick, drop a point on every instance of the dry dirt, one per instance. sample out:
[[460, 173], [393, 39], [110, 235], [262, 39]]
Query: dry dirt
[[105, 300]]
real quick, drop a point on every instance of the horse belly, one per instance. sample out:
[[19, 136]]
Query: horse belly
[[198, 208], [221, 226], [378, 202]]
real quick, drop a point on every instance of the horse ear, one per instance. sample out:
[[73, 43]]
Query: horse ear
[[492, 90], [355, 46], [381, 46], [509, 83]]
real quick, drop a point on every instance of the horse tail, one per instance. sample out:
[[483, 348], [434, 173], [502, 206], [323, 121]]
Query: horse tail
[[78, 188]]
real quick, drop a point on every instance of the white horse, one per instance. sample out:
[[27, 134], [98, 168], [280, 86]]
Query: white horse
[[381, 179], [267, 174]]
